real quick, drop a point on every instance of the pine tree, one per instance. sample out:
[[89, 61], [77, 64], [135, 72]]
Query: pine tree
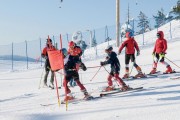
[[143, 23], [160, 18], [169, 17], [82, 45], [176, 10], [94, 43]]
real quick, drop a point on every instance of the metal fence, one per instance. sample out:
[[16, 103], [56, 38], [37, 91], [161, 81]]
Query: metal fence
[[28, 53]]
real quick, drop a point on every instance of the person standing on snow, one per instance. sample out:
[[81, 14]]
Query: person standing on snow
[[71, 72], [159, 53], [44, 54], [115, 68], [130, 45], [76, 53]]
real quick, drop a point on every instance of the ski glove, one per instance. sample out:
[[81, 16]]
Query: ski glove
[[102, 63], [83, 67], [153, 54], [43, 56], [138, 53], [161, 55], [107, 57]]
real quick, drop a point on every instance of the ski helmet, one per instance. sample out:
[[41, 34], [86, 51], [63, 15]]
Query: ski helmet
[[108, 48], [129, 34], [64, 51], [71, 44]]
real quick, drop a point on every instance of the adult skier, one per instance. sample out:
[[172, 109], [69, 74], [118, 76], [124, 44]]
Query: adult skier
[[130, 44], [71, 72], [115, 68], [159, 53], [76, 53], [44, 54]]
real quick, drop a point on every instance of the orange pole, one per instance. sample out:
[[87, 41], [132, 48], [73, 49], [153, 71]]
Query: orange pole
[[63, 68], [57, 91]]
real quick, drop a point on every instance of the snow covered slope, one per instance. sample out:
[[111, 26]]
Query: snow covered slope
[[20, 98]]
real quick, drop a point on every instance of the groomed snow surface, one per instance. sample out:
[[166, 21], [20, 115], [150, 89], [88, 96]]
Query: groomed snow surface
[[20, 98]]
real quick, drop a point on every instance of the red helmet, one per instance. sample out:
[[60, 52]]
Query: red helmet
[[71, 44]]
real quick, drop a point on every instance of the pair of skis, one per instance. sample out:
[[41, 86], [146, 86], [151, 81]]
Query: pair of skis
[[175, 78], [146, 76], [102, 94], [156, 74]]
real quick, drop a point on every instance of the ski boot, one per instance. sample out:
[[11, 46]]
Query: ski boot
[[45, 85], [126, 76], [51, 85], [69, 97], [140, 75], [108, 88], [86, 95], [125, 88], [169, 70], [153, 71]]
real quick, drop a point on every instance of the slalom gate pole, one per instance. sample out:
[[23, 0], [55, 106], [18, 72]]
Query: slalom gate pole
[[63, 70], [95, 73], [172, 62], [57, 89], [41, 78]]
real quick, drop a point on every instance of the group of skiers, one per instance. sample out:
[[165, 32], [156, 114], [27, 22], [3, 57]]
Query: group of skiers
[[72, 63]]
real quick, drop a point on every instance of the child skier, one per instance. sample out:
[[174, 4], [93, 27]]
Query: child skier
[[44, 54], [76, 53], [71, 72], [130, 45], [159, 53], [115, 68]]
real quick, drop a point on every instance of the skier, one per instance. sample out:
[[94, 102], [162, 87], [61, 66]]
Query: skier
[[44, 54], [159, 53], [130, 45], [71, 72], [76, 53], [115, 68]]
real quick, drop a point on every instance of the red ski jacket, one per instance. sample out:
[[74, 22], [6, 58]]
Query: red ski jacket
[[130, 45], [161, 44], [44, 52]]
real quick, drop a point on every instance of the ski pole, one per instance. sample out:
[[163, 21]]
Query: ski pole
[[95, 74], [41, 78], [94, 67], [172, 62]]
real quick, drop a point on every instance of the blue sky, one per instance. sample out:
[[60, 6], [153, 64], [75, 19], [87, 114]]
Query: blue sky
[[22, 20]]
